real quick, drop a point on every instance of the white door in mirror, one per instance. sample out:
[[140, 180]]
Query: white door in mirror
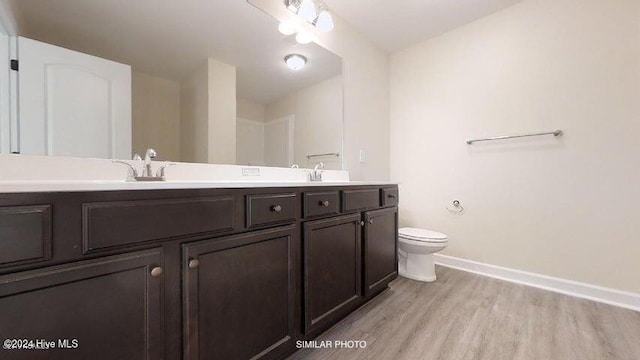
[[72, 104]]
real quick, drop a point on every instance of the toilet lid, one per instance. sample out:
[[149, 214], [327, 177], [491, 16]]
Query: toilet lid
[[422, 235]]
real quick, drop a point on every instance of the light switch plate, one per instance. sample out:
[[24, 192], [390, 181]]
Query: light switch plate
[[363, 156]]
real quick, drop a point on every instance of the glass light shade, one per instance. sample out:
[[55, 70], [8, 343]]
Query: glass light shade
[[307, 11], [324, 22], [286, 28], [295, 61], [304, 37]]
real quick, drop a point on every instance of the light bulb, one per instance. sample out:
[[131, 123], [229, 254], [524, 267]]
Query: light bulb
[[304, 37], [295, 61], [307, 11], [324, 22], [286, 28]]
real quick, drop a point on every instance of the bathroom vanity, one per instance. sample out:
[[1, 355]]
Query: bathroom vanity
[[208, 273]]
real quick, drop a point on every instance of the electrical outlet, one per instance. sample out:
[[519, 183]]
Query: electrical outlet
[[363, 156]]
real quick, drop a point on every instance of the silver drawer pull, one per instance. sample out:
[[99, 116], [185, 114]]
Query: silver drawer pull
[[156, 271], [194, 263], [324, 203], [276, 208]]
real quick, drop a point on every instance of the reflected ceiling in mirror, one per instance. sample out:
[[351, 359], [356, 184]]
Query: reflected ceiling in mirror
[[283, 116]]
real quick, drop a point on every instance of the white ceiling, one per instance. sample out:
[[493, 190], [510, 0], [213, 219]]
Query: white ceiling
[[170, 38], [397, 24]]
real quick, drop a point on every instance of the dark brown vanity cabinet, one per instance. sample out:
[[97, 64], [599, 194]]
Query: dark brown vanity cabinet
[[107, 308], [380, 249], [239, 295], [189, 273], [350, 258], [332, 270]]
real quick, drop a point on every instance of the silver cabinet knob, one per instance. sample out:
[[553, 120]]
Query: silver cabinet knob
[[324, 203], [194, 263], [361, 223], [156, 271], [370, 221], [276, 208]]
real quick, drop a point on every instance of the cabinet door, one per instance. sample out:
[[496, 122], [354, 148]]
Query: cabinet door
[[380, 249], [332, 270], [108, 308], [239, 296], [72, 104]]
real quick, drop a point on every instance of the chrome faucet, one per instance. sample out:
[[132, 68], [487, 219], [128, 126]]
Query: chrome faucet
[[161, 171], [149, 155], [132, 174], [316, 175], [147, 171]]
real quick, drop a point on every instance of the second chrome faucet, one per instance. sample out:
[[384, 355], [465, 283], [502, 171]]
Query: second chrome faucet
[[316, 175], [147, 171]]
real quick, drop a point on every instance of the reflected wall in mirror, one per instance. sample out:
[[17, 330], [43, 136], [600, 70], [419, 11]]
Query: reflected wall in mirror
[[198, 81]]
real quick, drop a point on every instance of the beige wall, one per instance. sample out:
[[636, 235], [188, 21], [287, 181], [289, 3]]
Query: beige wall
[[250, 110], [222, 113], [318, 121], [155, 115], [208, 114], [366, 94], [194, 115], [562, 207]]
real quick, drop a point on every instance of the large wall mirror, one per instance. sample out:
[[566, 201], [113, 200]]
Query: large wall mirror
[[198, 81]]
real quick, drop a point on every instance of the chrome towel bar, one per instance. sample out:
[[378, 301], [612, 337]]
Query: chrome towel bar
[[327, 154], [554, 133]]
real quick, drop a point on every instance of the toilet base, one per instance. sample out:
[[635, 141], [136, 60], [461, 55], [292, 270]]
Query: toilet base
[[417, 278], [420, 267]]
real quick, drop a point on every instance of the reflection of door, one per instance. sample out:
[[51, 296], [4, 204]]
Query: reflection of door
[[278, 142], [72, 104], [249, 142]]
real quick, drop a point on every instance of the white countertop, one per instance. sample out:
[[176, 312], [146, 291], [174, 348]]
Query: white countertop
[[69, 186], [27, 173]]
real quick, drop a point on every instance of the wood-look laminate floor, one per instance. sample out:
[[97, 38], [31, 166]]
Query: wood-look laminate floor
[[466, 316]]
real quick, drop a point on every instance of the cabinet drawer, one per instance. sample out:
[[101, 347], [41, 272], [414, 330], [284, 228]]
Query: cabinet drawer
[[269, 209], [389, 197], [25, 234], [360, 199], [321, 203], [109, 224]]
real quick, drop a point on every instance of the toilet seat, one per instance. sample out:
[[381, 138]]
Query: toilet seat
[[422, 235]]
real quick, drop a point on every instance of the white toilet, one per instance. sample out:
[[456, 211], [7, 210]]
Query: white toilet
[[415, 252]]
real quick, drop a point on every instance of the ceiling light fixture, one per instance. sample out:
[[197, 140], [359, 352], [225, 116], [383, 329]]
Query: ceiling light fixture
[[307, 10], [324, 21], [292, 5], [304, 37], [287, 28], [295, 61]]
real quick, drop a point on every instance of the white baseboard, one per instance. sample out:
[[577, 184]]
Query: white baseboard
[[601, 294]]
